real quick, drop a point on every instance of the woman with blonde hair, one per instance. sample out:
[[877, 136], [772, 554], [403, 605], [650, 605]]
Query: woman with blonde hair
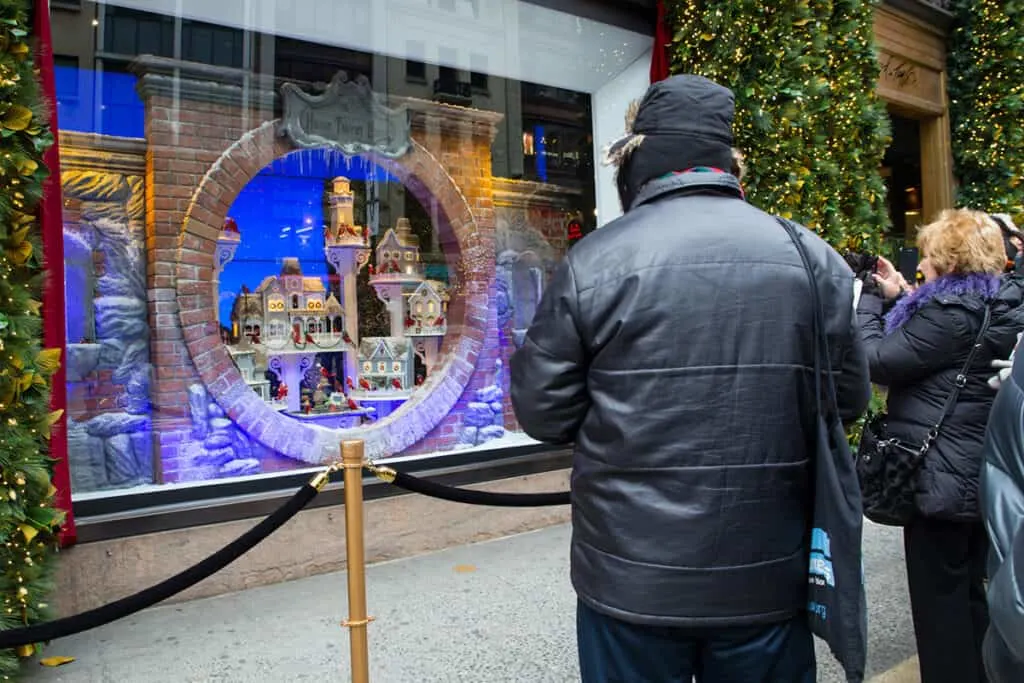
[[919, 343]]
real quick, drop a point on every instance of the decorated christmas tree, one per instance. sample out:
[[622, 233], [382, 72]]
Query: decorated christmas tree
[[28, 518], [986, 90], [807, 117]]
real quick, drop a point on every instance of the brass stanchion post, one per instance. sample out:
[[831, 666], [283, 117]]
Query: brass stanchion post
[[352, 462]]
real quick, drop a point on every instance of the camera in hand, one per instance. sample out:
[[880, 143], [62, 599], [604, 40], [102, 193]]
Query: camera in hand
[[862, 265]]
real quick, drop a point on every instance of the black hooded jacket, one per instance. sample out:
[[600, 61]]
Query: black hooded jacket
[[674, 346], [918, 362]]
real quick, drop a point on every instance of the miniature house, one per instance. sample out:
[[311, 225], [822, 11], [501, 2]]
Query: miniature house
[[334, 315], [283, 304], [386, 363], [427, 310], [398, 254], [245, 360], [247, 316]]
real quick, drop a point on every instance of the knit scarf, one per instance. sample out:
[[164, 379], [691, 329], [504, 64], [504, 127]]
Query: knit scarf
[[702, 169], [956, 284]]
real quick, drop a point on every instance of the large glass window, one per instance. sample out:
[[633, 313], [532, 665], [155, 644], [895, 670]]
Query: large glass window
[[284, 229]]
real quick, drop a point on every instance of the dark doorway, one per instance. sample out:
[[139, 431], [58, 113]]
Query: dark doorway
[[901, 169]]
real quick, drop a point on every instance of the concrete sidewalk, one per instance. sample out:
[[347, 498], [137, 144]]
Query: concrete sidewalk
[[494, 612]]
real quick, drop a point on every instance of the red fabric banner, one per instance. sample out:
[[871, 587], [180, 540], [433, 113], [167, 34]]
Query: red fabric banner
[[54, 335], [662, 40]]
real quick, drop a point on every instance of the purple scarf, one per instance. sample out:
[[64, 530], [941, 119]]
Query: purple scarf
[[903, 310]]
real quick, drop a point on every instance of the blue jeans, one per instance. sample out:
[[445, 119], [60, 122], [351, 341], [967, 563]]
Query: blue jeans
[[614, 651]]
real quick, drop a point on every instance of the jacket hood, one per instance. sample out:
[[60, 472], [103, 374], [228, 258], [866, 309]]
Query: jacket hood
[[682, 122]]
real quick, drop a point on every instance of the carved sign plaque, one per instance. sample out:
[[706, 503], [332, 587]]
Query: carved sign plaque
[[903, 81], [898, 72], [348, 116]]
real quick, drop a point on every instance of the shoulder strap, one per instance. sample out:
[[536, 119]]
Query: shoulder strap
[[959, 383], [822, 358]]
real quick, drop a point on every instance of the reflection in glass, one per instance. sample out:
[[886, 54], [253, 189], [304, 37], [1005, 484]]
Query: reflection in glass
[[341, 293]]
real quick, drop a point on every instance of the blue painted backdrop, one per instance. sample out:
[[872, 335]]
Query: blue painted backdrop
[[280, 214]]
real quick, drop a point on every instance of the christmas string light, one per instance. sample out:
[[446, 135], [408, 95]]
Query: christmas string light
[[807, 116], [986, 88]]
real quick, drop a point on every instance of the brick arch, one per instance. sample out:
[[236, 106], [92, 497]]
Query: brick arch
[[425, 178]]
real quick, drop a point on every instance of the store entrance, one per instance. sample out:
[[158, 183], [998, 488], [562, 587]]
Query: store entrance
[[901, 169]]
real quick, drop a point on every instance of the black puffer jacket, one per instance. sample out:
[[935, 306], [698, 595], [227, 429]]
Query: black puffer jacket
[[1002, 498], [675, 347], [931, 333]]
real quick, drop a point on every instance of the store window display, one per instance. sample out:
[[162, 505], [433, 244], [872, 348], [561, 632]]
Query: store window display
[[260, 266]]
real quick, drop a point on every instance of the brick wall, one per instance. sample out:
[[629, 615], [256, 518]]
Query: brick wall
[[182, 143]]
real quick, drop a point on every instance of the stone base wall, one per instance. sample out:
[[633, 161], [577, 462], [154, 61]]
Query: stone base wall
[[94, 574]]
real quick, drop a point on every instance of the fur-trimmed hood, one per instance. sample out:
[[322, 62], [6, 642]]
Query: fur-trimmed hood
[[1004, 293], [976, 285]]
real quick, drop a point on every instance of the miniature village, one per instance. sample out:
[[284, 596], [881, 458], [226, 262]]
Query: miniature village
[[293, 330]]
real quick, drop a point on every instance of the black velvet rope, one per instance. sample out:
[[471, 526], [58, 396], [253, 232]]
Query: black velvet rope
[[472, 497], [61, 628]]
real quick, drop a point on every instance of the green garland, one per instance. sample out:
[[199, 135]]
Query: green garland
[[986, 90], [807, 116], [29, 522]]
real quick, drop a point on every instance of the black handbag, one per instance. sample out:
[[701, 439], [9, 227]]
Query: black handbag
[[886, 465]]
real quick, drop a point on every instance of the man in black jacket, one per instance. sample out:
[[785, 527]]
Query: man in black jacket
[[674, 346]]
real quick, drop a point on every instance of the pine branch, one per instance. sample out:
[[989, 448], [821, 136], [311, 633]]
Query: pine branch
[[807, 118], [986, 91], [29, 522]]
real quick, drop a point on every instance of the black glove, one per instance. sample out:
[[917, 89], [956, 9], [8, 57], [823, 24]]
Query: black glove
[[871, 288]]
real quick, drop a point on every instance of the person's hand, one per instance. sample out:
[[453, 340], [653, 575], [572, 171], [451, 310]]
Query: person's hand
[[889, 280], [1004, 367]]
